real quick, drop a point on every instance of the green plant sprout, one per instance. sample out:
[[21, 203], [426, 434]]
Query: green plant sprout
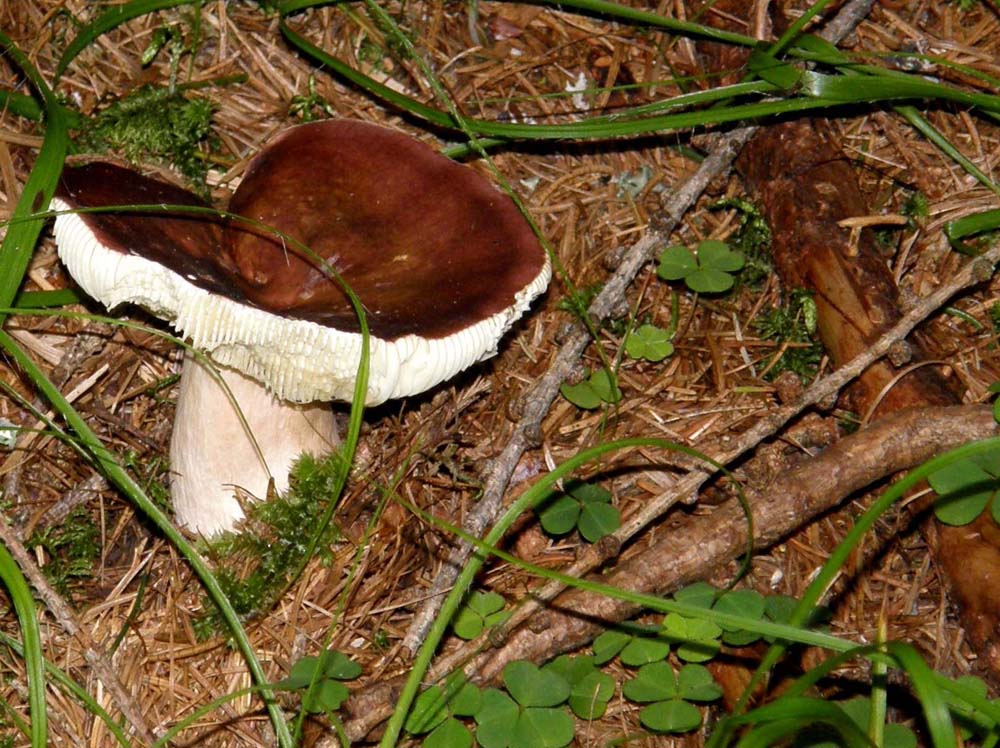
[[481, 611], [582, 506], [670, 694], [599, 387], [709, 270], [319, 678], [304, 106], [171, 37]]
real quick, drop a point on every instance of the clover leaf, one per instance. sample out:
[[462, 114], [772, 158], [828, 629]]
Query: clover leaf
[[649, 342], [669, 695], [698, 639], [591, 690], [528, 717], [608, 644], [435, 711], [599, 387], [966, 488], [584, 506], [708, 271], [747, 603], [324, 673], [481, 611]]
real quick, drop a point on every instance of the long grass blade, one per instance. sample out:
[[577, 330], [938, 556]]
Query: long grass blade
[[22, 235], [27, 618]]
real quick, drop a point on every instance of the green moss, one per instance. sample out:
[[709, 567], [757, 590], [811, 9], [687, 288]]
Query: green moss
[[71, 550], [151, 471], [155, 124], [794, 323], [256, 564], [752, 238]]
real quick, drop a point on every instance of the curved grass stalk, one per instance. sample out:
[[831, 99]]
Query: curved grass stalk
[[110, 19], [27, 618], [19, 242]]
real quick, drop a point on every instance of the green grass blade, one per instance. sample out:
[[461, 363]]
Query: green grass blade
[[977, 223], [47, 299], [795, 29], [22, 234], [406, 103], [925, 128], [653, 20], [888, 86], [27, 618], [936, 714], [22, 105], [107, 21]]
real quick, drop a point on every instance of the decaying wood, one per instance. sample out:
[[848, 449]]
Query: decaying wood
[[807, 188]]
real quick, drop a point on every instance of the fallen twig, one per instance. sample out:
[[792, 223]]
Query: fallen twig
[[540, 397]]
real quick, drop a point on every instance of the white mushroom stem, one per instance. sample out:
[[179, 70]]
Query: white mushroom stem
[[214, 454]]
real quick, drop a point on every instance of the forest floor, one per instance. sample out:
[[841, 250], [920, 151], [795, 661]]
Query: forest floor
[[137, 601]]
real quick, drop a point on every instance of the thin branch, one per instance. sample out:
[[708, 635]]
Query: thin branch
[[538, 400]]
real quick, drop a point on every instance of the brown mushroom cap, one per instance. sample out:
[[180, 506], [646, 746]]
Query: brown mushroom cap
[[442, 261], [429, 245]]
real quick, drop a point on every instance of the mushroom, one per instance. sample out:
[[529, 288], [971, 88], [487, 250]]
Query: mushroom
[[441, 260]]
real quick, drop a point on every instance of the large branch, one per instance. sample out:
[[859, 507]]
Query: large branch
[[701, 544]]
